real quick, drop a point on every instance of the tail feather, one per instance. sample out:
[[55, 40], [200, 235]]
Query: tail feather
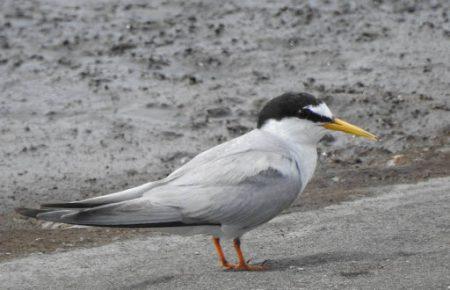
[[73, 204], [116, 197], [116, 214], [122, 209], [128, 214], [129, 194], [31, 212]]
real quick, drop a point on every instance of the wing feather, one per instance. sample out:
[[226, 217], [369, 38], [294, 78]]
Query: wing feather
[[135, 212], [120, 196], [244, 187], [242, 183]]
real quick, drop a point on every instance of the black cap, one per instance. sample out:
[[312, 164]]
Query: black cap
[[292, 105]]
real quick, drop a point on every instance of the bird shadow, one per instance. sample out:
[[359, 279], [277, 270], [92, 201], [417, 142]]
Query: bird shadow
[[152, 282], [320, 259]]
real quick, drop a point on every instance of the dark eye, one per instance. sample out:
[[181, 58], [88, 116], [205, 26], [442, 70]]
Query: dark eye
[[311, 116]]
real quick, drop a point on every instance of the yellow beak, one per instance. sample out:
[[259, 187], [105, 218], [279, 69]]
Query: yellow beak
[[340, 125]]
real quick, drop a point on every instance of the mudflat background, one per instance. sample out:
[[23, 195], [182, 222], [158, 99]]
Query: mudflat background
[[99, 96]]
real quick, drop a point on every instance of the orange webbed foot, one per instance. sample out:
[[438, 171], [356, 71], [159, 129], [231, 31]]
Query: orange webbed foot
[[249, 267], [227, 266], [242, 265]]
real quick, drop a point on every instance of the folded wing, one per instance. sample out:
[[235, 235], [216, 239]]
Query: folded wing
[[244, 182]]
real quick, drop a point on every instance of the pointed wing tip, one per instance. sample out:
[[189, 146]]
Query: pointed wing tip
[[73, 204], [29, 212]]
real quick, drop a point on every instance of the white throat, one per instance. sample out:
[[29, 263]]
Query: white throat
[[302, 137]]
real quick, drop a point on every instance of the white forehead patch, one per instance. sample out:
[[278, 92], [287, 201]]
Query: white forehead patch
[[321, 109]]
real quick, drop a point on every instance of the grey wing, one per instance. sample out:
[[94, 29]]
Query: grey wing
[[243, 189], [129, 194], [131, 213], [244, 182], [255, 140]]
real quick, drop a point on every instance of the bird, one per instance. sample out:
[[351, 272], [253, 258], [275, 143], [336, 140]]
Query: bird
[[226, 190]]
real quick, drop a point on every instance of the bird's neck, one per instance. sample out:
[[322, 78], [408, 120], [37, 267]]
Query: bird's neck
[[302, 138], [295, 131]]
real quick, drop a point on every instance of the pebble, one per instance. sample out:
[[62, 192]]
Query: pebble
[[335, 179], [397, 160], [296, 268], [218, 112]]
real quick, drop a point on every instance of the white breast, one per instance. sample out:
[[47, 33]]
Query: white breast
[[301, 136], [306, 157]]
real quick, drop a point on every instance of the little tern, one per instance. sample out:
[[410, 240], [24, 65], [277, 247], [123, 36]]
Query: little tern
[[227, 190]]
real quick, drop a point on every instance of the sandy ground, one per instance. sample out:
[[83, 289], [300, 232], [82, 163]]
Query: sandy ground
[[98, 96], [397, 239]]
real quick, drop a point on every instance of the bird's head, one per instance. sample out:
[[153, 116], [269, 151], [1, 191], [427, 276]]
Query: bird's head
[[303, 118]]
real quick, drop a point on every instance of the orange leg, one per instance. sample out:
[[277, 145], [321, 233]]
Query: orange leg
[[219, 251], [242, 264]]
